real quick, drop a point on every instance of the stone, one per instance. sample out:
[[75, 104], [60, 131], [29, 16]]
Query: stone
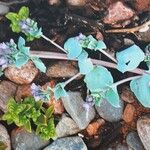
[[127, 95], [23, 140], [143, 128], [66, 126], [54, 2], [62, 69], [24, 75], [4, 137], [7, 90], [118, 12], [23, 91], [77, 3], [67, 143], [134, 141], [73, 104], [142, 5], [129, 113], [94, 127], [144, 36], [109, 112], [4, 9]]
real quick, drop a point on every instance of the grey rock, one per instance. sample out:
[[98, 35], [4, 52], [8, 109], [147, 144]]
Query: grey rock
[[4, 9], [68, 143], [66, 126], [74, 106], [7, 90], [23, 140], [119, 146], [4, 137], [134, 141], [110, 113], [61, 69], [143, 128]]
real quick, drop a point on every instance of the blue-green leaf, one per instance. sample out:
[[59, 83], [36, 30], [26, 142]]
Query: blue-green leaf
[[129, 58], [39, 64], [85, 66], [100, 45], [141, 89], [73, 47], [111, 95], [83, 55], [59, 91], [21, 59], [98, 79]]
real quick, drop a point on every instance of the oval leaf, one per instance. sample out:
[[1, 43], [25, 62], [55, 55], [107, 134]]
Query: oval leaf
[[141, 89], [129, 58], [98, 79], [73, 47]]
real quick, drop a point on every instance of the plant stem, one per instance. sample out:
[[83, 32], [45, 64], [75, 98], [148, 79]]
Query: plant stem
[[60, 56], [72, 78], [125, 80], [128, 30], [109, 56], [52, 42]]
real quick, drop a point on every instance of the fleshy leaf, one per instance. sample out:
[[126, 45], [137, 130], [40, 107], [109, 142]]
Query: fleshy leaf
[[23, 12], [59, 91], [85, 66], [129, 58], [112, 97], [73, 47], [83, 55], [141, 89], [39, 64], [98, 79]]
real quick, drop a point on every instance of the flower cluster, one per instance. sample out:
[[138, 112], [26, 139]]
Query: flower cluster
[[38, 93], [30, 28], [6, 51]]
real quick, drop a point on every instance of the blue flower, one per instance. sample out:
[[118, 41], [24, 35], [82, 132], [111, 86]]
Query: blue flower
[[89, 103]]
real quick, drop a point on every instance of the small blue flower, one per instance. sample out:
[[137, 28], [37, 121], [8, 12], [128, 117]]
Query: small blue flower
[[89, 103]]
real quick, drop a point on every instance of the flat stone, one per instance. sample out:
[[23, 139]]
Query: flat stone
[[68, 143], [66, 126], [77, 3], [7, 90], [134, 141], [23, 140], [129, 113], [4, 137], [23, 75], [142, 5], [62, 69], [110, 113], [74, 106], [143, 128], [4, 9], [118, 12]]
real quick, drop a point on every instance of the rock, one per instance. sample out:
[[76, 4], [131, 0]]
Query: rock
[[54, 2], [93, 128], [4, 137], [127, 95], [77, 3], [74, 106], [110, 113], [129, 113], [142, 5], [119, 146], [7, 90], [23, 91], [4, 9], [143, 128], [66, 127], [118, 12], [23, 75], [68, 143], [144, 36], [23, 140], [62, 69], [134, 141]]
